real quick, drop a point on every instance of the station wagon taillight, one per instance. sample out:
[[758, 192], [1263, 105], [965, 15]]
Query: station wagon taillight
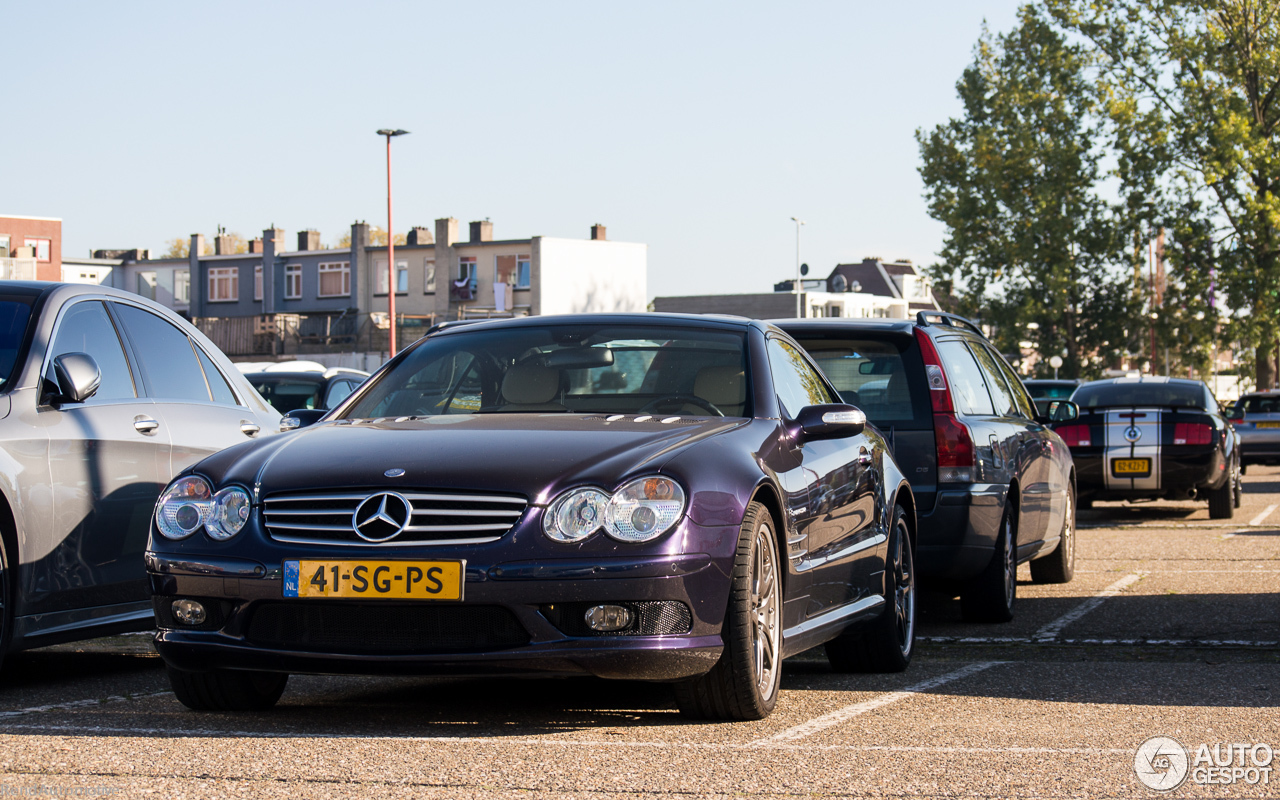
[[1192, 433], [1076, 435], [956, 459]]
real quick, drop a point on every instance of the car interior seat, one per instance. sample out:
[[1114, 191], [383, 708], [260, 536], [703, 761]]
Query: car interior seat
[[531, 387], [723, 387]]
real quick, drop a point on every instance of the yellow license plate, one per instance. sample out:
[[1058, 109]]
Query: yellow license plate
[[1269, 424], [1131, 466], [382, 580]]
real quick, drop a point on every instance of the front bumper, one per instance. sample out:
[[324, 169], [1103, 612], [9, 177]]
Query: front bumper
[[525, 593], [957, 538]]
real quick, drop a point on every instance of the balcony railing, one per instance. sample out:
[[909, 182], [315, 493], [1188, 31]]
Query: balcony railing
[[18, 269]]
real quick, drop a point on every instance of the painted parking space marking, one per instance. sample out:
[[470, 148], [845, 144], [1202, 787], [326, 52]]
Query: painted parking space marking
[[848, 712], [1099, 641], [74, 704], [1052, 630], [1266, 512]]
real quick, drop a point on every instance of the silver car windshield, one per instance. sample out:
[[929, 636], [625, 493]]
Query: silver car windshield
[[566, 369], [15, 313]]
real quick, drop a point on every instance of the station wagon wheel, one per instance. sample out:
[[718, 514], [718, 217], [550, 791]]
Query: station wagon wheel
[[990, 597], [885, 643], [1060, 565], [743, 684]]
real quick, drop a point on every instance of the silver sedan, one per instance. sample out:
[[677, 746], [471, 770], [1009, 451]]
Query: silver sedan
[[1256, 418]]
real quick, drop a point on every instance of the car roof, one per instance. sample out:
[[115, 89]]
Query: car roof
[[1051, 382], [646, 318], [800, 326], [26, 288], [1145, 379]]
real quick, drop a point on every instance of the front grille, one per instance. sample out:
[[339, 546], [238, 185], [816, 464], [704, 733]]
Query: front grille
[[387, 629], [438, 517], [648, 618]]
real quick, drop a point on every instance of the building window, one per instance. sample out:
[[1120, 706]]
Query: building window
[[4, 246], [429, 275], [147, 284], [257, 283], [380, 277], [467, 268], [523, 276], [181, 286], [335, 279], [293, 282], [402, 277], [41, 246], [224, 284]]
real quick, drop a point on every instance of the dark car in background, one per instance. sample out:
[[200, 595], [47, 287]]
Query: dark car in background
[[1044, 391], [1256, 418], [292, 390], [106, 397], [658, 497], [995, 486], [1153, 437]]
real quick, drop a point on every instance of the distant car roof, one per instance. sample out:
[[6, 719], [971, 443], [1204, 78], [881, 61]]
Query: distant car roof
[[1051, 382]]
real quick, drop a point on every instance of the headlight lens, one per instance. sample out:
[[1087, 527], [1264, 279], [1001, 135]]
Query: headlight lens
[[575, 515], [644, 509], [184, 507], [230, 513]]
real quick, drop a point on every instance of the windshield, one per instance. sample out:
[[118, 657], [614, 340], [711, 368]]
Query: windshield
[[1049, 391], [1162, 395], [14, 314], [286, 394], [567, 369]]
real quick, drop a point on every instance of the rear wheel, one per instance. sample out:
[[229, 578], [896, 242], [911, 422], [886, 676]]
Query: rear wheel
[[1222, 501], [1060, 565], [885, 644], [744, 682], [227, 690], [990, 596]]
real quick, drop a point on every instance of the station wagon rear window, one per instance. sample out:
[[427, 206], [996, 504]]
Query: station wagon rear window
[[875, 376]]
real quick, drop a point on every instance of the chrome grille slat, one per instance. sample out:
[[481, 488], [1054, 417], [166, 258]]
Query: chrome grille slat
[[440, 517]]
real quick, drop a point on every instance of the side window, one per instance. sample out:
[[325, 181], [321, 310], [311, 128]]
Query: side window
[[217, 384], [1001, 393], [338, 391], [169, 364], [1020, 396], [968, 387], [86, 328], [797, 384]]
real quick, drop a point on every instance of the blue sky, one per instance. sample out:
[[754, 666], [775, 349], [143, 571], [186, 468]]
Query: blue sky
[[697, 128]]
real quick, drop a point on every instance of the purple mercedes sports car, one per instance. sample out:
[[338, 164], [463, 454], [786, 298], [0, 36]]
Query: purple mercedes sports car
[[659, 497]]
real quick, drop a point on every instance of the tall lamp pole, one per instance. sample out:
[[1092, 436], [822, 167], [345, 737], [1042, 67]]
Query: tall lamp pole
[[391, 242], [798, 223]]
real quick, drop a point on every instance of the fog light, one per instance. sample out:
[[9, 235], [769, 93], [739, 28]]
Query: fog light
[[189, 612], [608, 618]]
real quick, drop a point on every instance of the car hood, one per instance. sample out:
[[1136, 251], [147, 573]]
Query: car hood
[[531, 454]]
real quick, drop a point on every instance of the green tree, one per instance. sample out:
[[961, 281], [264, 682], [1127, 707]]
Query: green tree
[[377, 236], [1193, 89], [1017, 181]]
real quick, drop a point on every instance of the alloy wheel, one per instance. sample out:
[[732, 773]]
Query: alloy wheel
[[904, 591], [766, 640], [1010, 563]]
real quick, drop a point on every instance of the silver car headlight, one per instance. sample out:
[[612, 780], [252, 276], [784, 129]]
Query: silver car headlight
[[575, 515], [229, 513], [644, 509], [184, 507]]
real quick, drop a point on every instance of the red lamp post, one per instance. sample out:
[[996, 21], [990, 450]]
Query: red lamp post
[[391, 242]]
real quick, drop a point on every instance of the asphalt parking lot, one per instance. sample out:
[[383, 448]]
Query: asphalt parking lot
[[1171, 628]]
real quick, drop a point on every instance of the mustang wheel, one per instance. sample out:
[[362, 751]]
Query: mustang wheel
[[990, 596], [1060, 565], [885, 644], [744, 682], [227, 690], [1222, 501]]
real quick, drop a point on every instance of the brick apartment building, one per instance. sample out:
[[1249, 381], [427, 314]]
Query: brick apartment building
[[33, 241]]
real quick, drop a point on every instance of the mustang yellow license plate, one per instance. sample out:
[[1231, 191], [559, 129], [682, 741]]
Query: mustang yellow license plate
[[1269, 424], [383, 580], [1131, 466]]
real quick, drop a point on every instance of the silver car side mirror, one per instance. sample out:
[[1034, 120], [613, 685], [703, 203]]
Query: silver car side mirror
[[77, 376]]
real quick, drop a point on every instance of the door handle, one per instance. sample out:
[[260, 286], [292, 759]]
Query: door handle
[[145, 425], [248, 428]]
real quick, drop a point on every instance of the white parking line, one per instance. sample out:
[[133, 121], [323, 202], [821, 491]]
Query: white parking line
[[96, 701], [1051, 631], [1092, 641], [848, 712], [1266, 512]]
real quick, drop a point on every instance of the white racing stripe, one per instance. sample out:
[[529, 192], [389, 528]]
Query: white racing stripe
[[1266, 512], [1053, 629], [848, 712]]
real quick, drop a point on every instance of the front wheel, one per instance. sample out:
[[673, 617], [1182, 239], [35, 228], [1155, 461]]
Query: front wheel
[[227, 689], [885, 644], [1060, 565], [743, 684]]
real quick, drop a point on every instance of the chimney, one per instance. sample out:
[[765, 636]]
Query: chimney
[[197, 245], [222, 245], [482, 231], [255, 245], [359, 235], [308, 240], [597, 232], [446, 231], [418, 236]]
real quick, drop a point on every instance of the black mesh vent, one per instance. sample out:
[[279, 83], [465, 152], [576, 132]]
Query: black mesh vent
[[648, 618], [385, 628], [216, 613]]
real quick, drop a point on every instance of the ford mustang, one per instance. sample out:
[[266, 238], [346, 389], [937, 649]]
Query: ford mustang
[[670, 498]]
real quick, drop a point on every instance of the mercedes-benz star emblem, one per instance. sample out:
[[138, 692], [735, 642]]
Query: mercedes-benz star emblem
[[380, 517], [1132, 433]]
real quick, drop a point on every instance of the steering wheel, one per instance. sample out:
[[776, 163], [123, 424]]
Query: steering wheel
[[657, 405]]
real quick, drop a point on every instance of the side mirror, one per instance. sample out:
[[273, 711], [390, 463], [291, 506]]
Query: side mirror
[[77, 377], [831, 421], [1061, 411], [301, 418]]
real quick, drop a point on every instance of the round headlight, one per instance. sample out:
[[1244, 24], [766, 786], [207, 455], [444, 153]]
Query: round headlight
[[184, 507], [644, 509], [575, 515], [230, 513]]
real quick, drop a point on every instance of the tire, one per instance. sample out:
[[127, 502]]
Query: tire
[[6, 596], [1222, 501], [990, 597], [226, 689], [743, 685], [1239, 490], [1084, 502], [885, 644], [1060, 565]]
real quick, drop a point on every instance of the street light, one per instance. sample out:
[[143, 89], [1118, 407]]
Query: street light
[[798, 223], [391, 242]]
